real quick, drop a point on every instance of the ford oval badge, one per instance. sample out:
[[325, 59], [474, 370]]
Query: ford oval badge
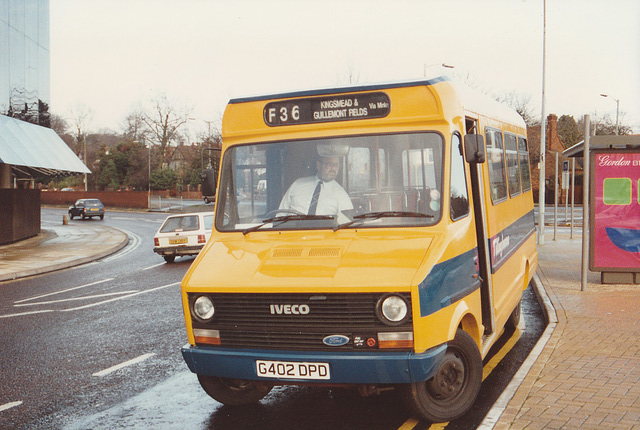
[[335, 340]]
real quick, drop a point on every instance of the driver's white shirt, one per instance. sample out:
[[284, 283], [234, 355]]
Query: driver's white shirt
[[332, 200]]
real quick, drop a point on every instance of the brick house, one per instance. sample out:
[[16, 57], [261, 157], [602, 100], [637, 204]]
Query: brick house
[[554, 145]]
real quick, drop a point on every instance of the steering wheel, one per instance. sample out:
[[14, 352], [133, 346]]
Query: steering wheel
[[286, 211]]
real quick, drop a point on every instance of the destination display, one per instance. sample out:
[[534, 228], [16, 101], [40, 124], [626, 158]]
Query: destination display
[[345, 107]]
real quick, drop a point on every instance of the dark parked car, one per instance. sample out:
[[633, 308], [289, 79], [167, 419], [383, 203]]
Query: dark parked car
[[87, 208]]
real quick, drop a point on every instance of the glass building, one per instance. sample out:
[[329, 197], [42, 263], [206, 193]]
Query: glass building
[[24, 60], [29, 149]]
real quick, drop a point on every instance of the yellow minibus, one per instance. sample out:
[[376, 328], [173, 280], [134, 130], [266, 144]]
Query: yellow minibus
[[376, 237]]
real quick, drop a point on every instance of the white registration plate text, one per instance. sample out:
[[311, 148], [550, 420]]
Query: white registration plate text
[[292, 370]]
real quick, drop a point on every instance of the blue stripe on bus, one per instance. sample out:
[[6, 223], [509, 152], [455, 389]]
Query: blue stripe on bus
[[327, 91], [448, 282], [505, 243]]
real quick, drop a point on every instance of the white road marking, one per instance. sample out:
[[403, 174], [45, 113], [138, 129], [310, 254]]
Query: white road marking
[[155, 265], [125, 364], [26, 313], [62, 291], [127, 295], [10, 405], [120, 298], [128, 218], [134, 243], [94, 296]]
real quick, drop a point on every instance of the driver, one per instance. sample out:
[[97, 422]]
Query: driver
[[319, 194]]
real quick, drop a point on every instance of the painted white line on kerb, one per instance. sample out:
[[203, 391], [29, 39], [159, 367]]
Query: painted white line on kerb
[[63, 291], [501, 404], [10, 405], [125, 364]]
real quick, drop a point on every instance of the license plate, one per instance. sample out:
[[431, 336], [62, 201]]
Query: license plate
[[94, 210], [177, 241], [292, 370]]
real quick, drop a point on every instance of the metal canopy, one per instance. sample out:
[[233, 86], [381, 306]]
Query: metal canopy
[[604, 141], [32, 150]]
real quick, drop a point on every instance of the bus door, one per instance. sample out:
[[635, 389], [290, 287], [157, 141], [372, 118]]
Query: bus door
[[474, 150]]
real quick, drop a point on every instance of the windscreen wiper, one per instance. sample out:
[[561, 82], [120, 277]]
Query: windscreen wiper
[[285, 218], [384, 214]]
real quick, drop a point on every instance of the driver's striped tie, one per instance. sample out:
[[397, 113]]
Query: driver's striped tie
[[314, 199]]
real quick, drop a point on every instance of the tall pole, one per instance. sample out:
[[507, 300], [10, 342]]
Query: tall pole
[[543, 129], [555, 201], [585, 204], [617, 115], [84, 141], [149, 192], [573, 190]]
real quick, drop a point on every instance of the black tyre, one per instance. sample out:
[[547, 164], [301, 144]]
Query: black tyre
[[169, 258], [233, 392], [70, 215], [101, 217], [514, 318], [455, 386]]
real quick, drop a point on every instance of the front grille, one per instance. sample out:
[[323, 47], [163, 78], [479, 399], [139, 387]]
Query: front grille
[[246, 320]]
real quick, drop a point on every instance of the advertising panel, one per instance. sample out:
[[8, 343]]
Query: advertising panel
[[615, 210]]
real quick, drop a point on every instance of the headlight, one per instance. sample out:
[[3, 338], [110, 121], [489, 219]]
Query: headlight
[[203, 308], [392, 310]]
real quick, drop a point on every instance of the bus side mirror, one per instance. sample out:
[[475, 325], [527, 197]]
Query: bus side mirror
[[209, 175], [474, 152]]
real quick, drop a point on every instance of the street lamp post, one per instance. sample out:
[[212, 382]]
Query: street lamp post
[[543, 131], [617, 110], [144, 142], [149, 177]]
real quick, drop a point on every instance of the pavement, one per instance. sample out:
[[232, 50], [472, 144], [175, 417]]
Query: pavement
[[584, 372], [59, 247]]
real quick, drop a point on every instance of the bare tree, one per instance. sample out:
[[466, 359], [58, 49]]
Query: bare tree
[[163, 121], [81, 117], [134, 127], [606, 124], [58, 124], [521, 104]]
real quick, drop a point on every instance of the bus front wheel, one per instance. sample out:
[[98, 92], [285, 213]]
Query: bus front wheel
[[454, 387], [233, 392]]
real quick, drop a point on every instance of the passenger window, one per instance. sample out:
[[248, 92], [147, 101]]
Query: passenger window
[[513, 166], [495, 158], [523, 153], [459, 203]]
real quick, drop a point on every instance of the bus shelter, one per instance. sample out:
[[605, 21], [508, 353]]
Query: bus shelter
[[614, 207]]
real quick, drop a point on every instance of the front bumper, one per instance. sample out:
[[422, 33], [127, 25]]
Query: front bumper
[[178, 250], [345, 367]]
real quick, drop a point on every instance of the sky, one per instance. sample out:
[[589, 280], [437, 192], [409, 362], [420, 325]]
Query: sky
[[110, 56]]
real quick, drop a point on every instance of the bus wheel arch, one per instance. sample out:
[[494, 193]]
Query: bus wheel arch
[[462, 318], [233, 392], [454, 388], [470, 325]]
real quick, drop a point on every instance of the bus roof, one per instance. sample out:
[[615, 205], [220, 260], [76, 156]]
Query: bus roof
[[472, 101], [346, 89]]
